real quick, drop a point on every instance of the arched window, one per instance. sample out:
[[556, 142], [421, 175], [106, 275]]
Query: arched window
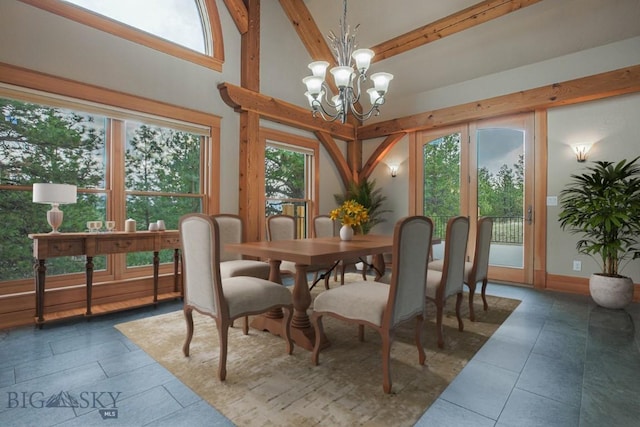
[[187, 29]]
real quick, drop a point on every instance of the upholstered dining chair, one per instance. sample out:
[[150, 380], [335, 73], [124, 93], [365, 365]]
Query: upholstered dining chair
[[443, 284], [476, 271], [378, 305], [233, 264], [324, 226], [283, 227], [206, 292]]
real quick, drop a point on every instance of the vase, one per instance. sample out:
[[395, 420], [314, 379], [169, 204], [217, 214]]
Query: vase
[[346, 232]]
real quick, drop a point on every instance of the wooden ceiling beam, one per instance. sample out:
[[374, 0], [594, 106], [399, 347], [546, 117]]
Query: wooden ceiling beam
[[598, 86], [276, 110], [379, 153], [308, 30], [239, 14], [454, 23], [330, 145]]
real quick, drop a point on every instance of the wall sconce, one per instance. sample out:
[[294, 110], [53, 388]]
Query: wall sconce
[[581, 151], [394, 170]]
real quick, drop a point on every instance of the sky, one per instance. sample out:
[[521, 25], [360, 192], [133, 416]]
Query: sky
[[175, 20]]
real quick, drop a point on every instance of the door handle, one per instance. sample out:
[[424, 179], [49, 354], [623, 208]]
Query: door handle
[[530, 214]]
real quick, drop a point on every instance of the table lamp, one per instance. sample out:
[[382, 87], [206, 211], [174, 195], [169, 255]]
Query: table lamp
[[54, 194]]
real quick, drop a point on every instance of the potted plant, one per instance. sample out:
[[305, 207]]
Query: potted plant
[[603, 205], [366, 194]]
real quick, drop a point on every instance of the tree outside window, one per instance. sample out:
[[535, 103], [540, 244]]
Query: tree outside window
[[38, 143], [287, 184]]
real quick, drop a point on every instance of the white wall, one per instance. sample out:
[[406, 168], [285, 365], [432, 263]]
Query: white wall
[[613, 125]]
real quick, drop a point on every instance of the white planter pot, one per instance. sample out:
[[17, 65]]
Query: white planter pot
[[611, 292]]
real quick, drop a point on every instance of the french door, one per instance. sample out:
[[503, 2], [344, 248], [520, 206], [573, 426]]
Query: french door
[[483, 168]]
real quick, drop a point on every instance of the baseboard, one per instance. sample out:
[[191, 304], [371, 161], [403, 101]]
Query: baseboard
[[578, 285]]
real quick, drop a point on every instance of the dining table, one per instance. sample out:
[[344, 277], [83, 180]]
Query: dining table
[[306, 252]]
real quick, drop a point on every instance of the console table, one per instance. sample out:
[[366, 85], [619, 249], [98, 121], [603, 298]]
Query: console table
[[52, 245]]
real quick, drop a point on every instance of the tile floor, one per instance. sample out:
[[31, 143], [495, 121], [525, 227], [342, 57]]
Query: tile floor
[[558, 360]]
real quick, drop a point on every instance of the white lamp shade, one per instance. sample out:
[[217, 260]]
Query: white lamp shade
[[363, 59], [373, 95], [381, 81], [54, 193], [342, 75], [337, 102], [314, 84], [310, 98], [319, 68]]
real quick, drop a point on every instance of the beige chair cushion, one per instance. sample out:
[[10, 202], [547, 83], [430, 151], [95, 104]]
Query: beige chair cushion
[[253, 295], [434, 277], [358, 300], [439, 263], [244, 267]]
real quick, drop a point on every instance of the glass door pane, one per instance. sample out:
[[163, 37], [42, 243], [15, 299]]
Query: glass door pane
[[440, 189], [502, 188], [501, 191]]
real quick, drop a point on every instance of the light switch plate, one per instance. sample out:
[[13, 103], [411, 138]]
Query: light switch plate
[[552, 200]]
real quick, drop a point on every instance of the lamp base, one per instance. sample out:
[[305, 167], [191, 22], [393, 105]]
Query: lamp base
[[54, 218]]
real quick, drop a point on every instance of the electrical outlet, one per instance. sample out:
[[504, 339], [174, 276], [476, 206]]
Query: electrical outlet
[[577, 265]]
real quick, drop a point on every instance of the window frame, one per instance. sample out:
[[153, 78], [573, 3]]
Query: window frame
[[208, 14], [31, 86], [307, 146]]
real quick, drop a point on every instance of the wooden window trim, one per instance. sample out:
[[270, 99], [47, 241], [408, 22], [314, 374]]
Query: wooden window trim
[[213, 61], [32, 80]]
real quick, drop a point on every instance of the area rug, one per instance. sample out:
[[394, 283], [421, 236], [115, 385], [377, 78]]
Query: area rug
[[267, 387]]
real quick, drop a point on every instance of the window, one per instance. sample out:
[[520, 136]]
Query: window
[[125, 164], [171, 20], [290, 184], [188, 29]]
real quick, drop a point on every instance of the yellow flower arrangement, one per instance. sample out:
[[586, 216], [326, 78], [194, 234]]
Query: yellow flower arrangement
[[350, 213]]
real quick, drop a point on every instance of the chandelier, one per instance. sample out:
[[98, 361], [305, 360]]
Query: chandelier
[[348, 76]]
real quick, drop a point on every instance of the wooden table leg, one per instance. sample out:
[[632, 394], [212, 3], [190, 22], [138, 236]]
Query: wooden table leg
[[302, 332], [272, 320], [176, 265], [156, 273], [379, 267], [89, 272], [40, 270]]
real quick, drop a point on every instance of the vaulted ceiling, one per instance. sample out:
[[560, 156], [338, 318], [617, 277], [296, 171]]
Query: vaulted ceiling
[[433, 44]]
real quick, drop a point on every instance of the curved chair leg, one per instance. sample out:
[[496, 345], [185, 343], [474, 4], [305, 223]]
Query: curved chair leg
[[459, 298], [386, 361], [287, 328], [223, 332], [439, 313], [316, 320], [327, 276], [484, 297], [188, 315], [421, 356], [472, 291], [245, 325]]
